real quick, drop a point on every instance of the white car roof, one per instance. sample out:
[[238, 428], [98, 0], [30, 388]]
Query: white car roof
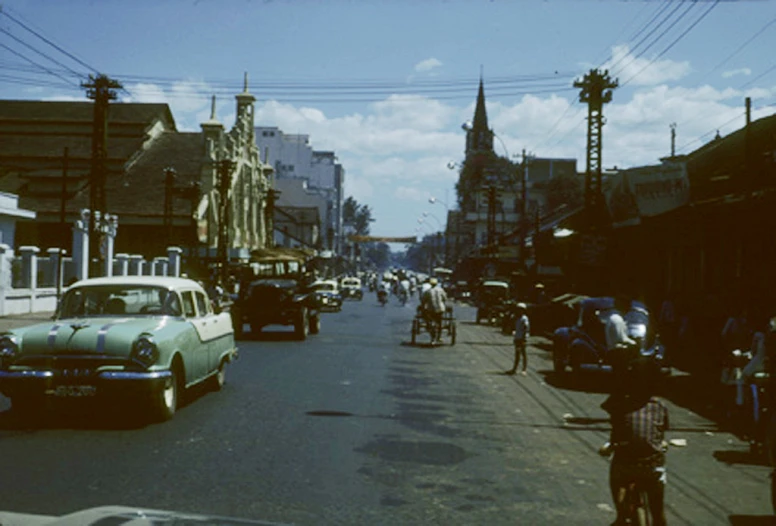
[[151, 281]]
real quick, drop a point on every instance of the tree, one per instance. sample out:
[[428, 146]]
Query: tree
[[356, 215], [565, 189], [481, 169]]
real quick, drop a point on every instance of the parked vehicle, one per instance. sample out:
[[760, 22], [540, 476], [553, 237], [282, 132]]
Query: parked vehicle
[[142, 338], [274, 291], [327, 295], [491, 296], [351, 288], [583, 346]]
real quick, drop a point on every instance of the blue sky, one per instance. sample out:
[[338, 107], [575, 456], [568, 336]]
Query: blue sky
[[387, 84]]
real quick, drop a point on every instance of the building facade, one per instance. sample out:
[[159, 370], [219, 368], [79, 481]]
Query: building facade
[[292, 157]]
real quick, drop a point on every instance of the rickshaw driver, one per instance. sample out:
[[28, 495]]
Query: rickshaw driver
[[434, 305]]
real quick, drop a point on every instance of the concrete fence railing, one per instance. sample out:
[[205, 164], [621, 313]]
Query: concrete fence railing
[[28, 281]]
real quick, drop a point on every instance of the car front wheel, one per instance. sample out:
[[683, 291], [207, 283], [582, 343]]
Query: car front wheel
[[165, 399]]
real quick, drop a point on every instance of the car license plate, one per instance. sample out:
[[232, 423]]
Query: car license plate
[[74, 390]]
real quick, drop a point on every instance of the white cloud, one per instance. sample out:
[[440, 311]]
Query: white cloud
[[640, 71], [410, 193], [734, 72], [427, 65]]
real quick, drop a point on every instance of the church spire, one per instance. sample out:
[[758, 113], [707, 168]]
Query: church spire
[[480, 122], [479, 137]]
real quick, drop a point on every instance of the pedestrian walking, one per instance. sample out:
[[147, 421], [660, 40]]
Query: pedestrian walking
[[522, 331]]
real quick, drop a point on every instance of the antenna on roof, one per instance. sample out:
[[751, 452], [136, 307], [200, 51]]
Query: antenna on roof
[[213, 108]]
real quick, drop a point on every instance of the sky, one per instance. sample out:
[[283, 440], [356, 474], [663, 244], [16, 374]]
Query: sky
[[387, 84]]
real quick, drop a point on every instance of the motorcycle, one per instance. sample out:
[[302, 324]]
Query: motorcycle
[[633, 494], [382, 296]]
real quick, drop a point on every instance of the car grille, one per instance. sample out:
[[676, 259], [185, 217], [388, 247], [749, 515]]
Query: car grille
[[70, 368], [267, 298]]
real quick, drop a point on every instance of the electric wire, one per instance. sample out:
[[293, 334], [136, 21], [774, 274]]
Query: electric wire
[[643, 39], [40, 53], [715, 129], [690, 7], [676, 40], [741, 47], [4, 11], [758, 77], [44, 68]]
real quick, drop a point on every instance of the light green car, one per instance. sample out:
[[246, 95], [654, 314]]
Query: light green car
[[139, 338]]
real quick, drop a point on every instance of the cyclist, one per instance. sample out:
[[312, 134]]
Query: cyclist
[[639, 421], [434, 304]]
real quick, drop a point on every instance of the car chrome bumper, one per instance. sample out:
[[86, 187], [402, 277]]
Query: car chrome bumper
[[110, 383]]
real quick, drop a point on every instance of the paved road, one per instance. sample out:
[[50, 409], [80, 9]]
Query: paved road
[[356, 426]]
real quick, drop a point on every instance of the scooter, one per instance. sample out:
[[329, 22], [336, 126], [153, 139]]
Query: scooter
[[382, 296]]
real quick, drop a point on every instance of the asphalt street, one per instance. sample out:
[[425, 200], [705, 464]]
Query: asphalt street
[[357, 426]]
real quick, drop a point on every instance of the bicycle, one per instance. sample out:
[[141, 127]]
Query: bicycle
[[633, 495]]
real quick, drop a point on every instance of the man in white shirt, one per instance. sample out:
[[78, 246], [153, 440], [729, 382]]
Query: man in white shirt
[[434, 303], [616, 329], [522, 331]]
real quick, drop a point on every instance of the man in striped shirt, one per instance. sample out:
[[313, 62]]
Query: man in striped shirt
[[639, 421]]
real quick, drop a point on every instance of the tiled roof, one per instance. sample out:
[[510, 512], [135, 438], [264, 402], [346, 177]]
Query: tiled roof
[[58, 111], [141, 191]]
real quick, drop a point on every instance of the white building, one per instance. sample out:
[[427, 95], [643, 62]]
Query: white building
[[292, 157]]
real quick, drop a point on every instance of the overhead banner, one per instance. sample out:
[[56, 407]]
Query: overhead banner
[[648, 191], [376, 239]]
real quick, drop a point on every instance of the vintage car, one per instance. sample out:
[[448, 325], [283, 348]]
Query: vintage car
[[144, 338], [351, 288], [583, 346], [274, 291], [491, 298], [327, 295]]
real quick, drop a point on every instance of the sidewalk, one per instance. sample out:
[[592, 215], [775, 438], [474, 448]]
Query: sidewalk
[[20, 320]]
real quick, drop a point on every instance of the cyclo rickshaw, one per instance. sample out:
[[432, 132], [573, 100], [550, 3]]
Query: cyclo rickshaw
[[422, 323]]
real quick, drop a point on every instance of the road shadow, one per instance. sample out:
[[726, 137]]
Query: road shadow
[[269, 336], [741, 457], [586, 381], [752, 520], [92, 415], [427, 345], [542, 345], [699, 394]]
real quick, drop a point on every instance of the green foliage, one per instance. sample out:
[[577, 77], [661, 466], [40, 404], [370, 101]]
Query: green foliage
[[566, 189], [379, 254], [356, 215], [480, 169]]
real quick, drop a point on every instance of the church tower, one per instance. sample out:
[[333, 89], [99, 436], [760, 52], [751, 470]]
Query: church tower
[[479, 138]]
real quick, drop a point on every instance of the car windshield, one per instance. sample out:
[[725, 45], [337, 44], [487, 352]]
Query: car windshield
[[324, 286], [119, 300]]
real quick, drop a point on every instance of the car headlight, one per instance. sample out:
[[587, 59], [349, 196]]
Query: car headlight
[[9, 348], [144, 352]]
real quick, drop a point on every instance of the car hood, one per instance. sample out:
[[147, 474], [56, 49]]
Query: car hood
[[100, 335], [125, 516]]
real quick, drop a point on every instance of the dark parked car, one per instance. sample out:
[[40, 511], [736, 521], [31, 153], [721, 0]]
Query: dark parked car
[[274, 291], [491, 301], [583, 346]]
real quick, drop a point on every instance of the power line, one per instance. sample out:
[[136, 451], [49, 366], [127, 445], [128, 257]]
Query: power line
[[742, 46], [758, 77], [4, 11], [40, 53], [645, 37], [672, 44], [44, 68], [554, 127], [660, 36], [716, 128]]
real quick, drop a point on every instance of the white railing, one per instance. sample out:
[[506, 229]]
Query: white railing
[[28, 282]]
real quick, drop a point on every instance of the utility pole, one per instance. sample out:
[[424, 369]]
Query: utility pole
[[100, 89], [673, 139], [169, 189], [596, 91], [62, 219], [492, 191], [523, 224], [225, 167]]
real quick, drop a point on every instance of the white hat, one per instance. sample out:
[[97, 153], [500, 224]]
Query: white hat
[[433, 281], [521, 306]]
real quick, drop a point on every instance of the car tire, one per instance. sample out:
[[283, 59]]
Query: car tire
[[453, 331], [27, 408], [415, 326], [166, 400], [315, 324], [218, 380], [300, 325]]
